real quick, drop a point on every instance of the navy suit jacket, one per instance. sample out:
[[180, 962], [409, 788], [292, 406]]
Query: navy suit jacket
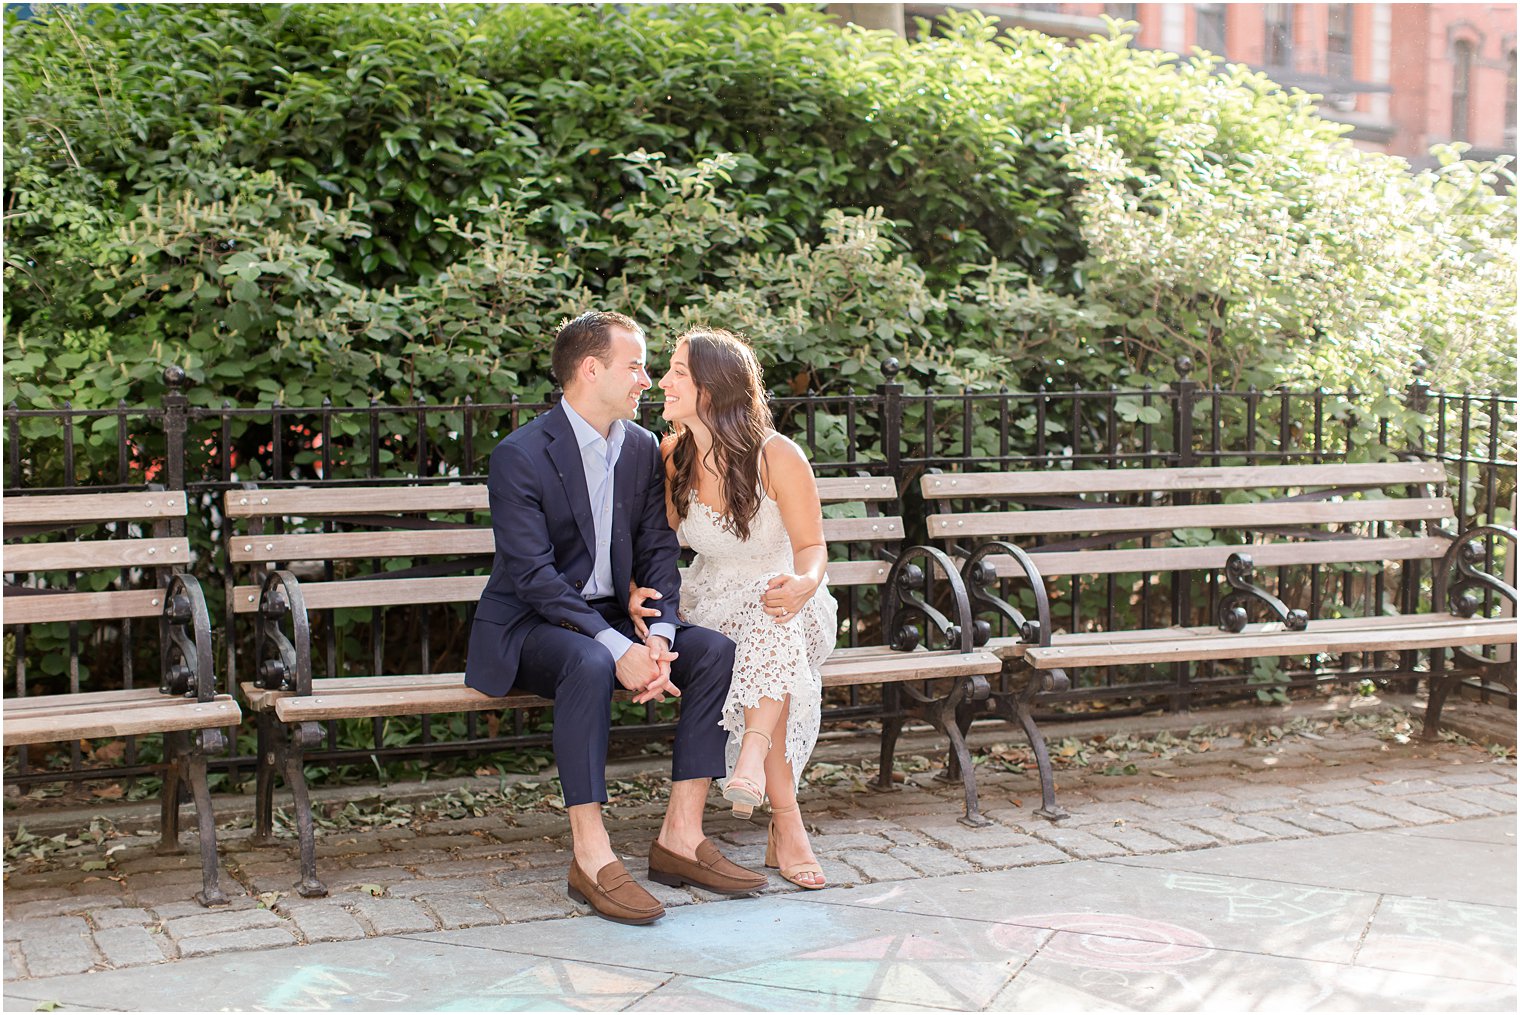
[[545, 541]]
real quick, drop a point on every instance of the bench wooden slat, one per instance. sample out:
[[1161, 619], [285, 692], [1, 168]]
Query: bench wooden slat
[[886, 666], [352, 697], [1159, 519], [465, 589], [353, 545], [1013, 648], [845, 573], [86, 508], [464, 541], [373, 592], [405, 681], [64, 606], [96, 554], [842, 489], [1013, 485], [313, 502], [1184, 558], [421, 684], [43, 704], [886, 529], [393, 701], [65, 705], [106, 722], [1416, 633]]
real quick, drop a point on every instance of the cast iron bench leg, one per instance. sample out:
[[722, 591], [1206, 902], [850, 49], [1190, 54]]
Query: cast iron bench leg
[[951, 774], [263, 796], [891, 729], [1440, 686], [211, 893], [1049, 809], [293, 749], [168, 795], [1016, 707], [949, 723]]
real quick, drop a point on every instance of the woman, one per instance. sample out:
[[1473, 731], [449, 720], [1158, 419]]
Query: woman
[[743, 497]]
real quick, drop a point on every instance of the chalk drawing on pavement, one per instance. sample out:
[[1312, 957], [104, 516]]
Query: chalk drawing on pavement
[[1111, 941], [546, 985]]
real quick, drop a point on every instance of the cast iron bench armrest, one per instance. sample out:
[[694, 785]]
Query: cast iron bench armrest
[[1230, 611], [281, 663], [1463, 557], [907, 583], [981, 576]]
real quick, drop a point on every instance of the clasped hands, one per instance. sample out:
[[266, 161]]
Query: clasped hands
[[645, 670]]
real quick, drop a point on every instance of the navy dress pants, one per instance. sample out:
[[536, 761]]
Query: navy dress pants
[[578, 674]]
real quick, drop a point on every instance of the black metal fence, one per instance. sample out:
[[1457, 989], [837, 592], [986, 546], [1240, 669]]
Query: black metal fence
[[886, 431]]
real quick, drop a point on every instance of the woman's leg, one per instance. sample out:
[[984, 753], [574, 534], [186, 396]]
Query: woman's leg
[[765, 717], [788, 831]]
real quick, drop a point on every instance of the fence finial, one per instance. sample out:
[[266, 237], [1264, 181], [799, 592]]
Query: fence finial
[[1184, 366], [174, 376], [890, 368]]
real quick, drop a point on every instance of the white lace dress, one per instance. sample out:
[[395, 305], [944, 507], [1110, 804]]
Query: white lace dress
[[722, 589]]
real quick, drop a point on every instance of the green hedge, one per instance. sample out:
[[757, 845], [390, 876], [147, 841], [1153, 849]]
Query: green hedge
[[349, 201]]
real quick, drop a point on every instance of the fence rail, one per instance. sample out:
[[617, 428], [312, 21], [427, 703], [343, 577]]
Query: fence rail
[[886, 430]]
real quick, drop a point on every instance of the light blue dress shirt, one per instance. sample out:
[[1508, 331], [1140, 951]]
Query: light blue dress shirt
[[599, 458]]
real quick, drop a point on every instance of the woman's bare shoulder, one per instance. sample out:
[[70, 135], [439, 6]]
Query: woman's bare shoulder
[[785, 463]]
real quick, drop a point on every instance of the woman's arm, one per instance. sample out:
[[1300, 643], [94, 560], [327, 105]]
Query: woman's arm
[[788, 478]]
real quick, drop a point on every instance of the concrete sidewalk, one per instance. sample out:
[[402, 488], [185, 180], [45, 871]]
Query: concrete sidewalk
[[1330, 869], [1408, 919]]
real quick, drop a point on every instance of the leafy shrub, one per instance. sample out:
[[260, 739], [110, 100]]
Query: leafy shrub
[[329, 201]]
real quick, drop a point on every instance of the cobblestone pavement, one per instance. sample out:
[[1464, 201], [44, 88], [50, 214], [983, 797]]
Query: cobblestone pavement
[[117, 904]]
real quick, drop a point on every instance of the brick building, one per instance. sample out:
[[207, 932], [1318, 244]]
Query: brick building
[[1404, 76]]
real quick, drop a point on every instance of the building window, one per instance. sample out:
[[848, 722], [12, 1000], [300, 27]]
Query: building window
[[1279, 40], [1208, 27], [1338, 41], [1461, 87], [1121, 12], [1509, 98]]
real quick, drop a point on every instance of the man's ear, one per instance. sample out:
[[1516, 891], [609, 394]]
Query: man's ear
[[588, 368]]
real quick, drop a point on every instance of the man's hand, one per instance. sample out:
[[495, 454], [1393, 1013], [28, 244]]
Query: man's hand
[[637, 669], [661, 656]]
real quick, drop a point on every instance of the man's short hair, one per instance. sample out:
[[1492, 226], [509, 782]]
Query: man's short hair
[[590, 334]]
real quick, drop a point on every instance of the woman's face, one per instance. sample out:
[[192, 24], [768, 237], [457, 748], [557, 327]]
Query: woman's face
[[679, 389]]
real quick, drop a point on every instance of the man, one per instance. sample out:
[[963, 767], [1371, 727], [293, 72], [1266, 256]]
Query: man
[[578, 508]]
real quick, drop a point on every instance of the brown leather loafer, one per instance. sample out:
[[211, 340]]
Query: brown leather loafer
[[614, 895], [710, 870]]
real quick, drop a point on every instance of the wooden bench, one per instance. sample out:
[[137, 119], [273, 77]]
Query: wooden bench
[[398, 522], [1043, 532], [185, 707]]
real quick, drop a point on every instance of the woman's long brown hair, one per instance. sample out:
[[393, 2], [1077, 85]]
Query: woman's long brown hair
[[731, 404]]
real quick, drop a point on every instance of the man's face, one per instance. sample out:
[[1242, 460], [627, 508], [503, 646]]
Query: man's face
[[618, 383]]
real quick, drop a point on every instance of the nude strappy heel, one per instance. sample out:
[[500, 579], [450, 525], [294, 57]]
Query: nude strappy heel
[[791, 872], [746, 794]]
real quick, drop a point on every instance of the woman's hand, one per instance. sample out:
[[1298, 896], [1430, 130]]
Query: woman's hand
[[786, 594], [637, 611]]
